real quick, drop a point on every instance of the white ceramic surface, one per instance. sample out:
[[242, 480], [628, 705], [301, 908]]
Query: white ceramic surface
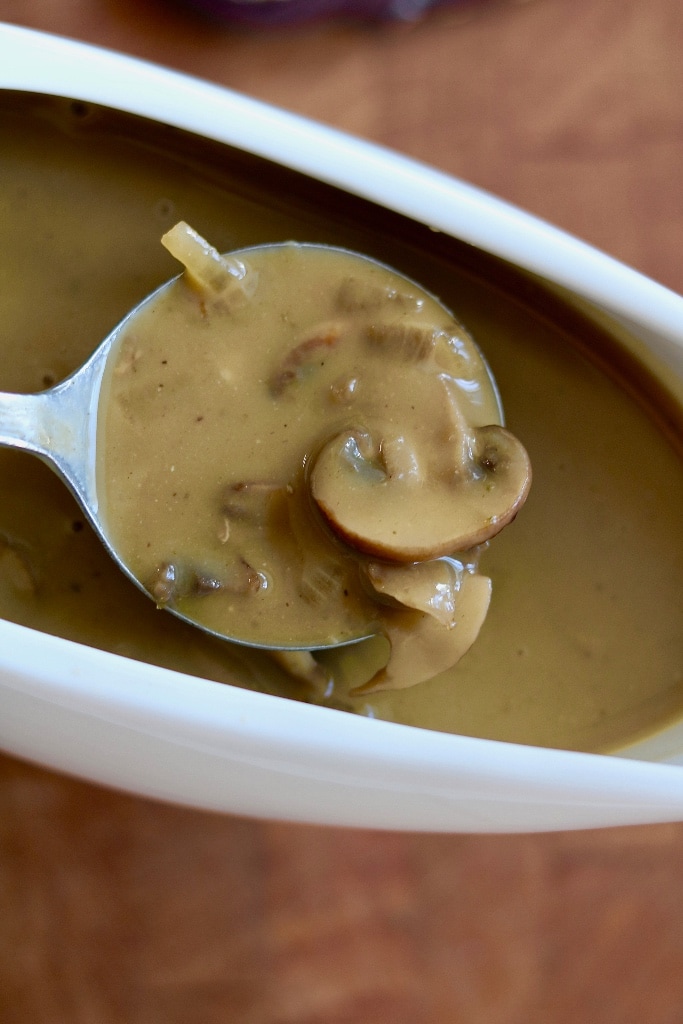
[[158, 733]]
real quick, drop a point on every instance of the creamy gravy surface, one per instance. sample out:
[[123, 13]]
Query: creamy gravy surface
[[582, 647], [299, 446]]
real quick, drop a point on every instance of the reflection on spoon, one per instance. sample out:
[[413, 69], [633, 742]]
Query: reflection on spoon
[[267, 444]]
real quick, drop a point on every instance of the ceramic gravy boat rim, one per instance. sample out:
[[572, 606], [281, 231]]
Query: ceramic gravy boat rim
[[310, 763], [40, 62]]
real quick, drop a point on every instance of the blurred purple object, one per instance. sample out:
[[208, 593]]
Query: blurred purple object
[[288, 12]]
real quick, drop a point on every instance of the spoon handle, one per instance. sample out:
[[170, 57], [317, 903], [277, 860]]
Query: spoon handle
[[22, 423], [59, 426]]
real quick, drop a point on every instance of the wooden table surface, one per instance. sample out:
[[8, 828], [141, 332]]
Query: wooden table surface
[[115, 909]]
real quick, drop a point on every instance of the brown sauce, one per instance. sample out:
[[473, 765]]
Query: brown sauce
[[582, 647], [300, 446]]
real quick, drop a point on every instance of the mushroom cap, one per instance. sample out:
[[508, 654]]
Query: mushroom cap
[[393, 517]]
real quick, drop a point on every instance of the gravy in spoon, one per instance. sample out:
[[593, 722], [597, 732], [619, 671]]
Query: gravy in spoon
[[289, 436]]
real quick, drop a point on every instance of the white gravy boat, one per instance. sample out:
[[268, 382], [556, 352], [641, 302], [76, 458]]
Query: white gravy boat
[[158, 733]]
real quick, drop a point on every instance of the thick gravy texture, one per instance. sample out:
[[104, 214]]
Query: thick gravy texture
[[300, 446], [582, 646]]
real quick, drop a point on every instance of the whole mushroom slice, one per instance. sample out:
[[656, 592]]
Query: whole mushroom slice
[[455, 506], [421, 646]]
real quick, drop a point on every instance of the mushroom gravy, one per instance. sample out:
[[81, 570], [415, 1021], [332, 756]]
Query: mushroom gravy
[[265, 387], [582, 646]]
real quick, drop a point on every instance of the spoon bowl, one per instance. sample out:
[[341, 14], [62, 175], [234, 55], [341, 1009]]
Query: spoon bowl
[[63, 426]]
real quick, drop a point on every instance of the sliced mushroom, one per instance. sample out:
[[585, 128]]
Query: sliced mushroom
[[359, 295], [172, 581], [164, 585], [421, 646], [390, 517], [430, 587], [410, 342], [295, 364]]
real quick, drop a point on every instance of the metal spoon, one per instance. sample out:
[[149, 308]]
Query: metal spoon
[[60, 426]]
